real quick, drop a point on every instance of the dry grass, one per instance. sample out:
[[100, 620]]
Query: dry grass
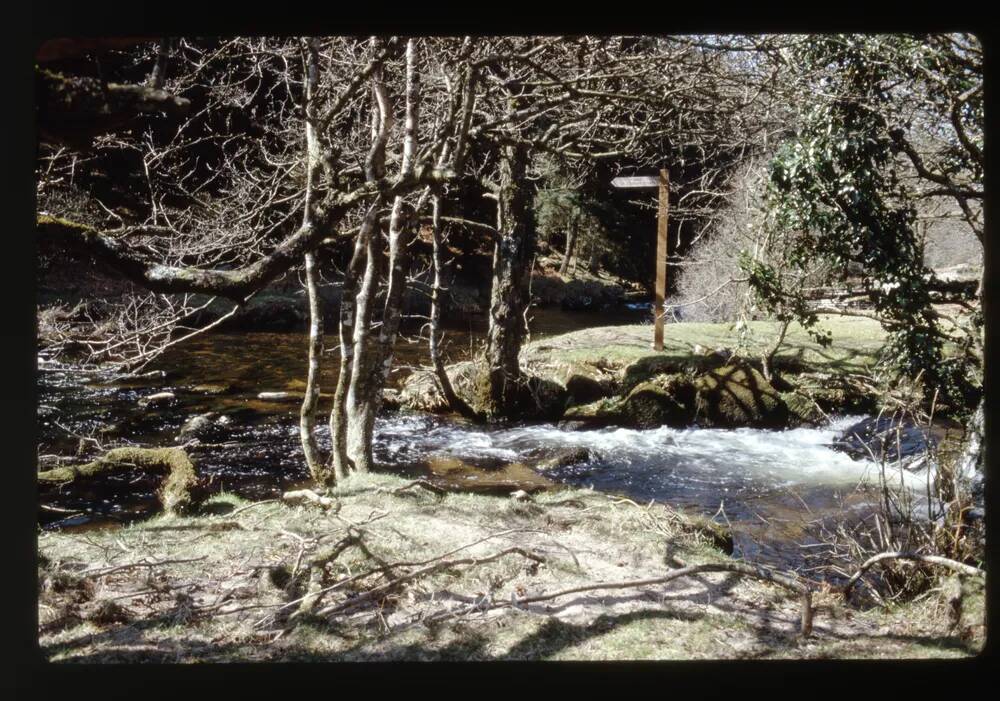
[[218, 595]]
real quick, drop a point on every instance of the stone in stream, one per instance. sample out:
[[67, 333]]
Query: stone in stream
[[213, 389], [278, 396], [562, 458], [198, 426], [887, 439], [157, 399]]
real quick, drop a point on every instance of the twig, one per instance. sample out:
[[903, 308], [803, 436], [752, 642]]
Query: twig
[[131, 565], [250, 506]]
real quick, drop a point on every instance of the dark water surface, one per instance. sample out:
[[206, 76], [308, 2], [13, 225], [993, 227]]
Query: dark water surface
[[775, 487]]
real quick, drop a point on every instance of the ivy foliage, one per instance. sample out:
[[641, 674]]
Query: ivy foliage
[[836, 191]]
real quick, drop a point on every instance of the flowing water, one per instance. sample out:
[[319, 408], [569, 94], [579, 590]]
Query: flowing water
[[776, 488]]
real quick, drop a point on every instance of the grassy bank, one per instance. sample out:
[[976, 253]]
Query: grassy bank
[[217, 587], [855, 344]]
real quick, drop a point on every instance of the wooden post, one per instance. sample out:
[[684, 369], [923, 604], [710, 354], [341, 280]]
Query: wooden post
[[661, 259], [663, 182]]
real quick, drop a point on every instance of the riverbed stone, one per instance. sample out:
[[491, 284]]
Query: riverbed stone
[[278, 396], [199, 426], [157, 399], [213, 389]]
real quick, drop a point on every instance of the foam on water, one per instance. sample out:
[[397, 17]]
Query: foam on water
[[726, 457]]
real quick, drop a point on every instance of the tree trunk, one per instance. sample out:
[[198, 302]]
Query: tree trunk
[[456, 403], [318, 468], [372, 359], [359, 407], [349, 292], [307, 415], [570, 245], [969, 468], [509, 297]]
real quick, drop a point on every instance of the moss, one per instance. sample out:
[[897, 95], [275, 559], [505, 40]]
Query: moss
[[175, 492], [800, 407], [667, 399], [738, 395]]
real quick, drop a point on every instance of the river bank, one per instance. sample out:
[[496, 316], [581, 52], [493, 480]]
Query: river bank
[[211, 587]]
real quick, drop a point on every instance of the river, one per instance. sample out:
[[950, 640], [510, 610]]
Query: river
[[778, 489]]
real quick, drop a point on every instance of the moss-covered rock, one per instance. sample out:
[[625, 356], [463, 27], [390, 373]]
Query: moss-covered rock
[[801, 409], [583, 382], [663, 400], [738, 395], [420, 391], [604, 412]]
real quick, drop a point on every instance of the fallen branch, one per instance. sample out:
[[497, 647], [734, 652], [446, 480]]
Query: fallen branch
[[175, 492], [102, 572], [307, 496], [250, 506], [953, 565]]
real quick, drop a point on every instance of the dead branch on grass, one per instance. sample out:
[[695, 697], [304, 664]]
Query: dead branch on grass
[[953, 565]]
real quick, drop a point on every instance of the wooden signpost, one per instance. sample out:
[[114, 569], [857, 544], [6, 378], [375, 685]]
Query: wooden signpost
[[663, 182]]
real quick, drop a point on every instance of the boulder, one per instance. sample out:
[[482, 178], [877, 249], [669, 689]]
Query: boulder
[[738, 395], [664, 400], [603, 412], [420, 391], [200, 426]]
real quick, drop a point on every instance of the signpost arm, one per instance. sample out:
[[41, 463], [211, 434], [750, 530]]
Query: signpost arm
[[661, 259]]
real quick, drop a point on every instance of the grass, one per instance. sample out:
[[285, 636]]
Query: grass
[[856, 343], [228, 558]]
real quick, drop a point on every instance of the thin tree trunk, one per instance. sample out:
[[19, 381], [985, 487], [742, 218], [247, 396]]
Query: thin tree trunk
[[456, 403], [350, 410], [570, 245], [307, 415], [359, 410], [349, 291], [373, 356], [511, 273]]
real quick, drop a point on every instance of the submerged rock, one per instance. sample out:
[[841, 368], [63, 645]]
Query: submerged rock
[[563, 457], [888, 439], [213, 389], [202, 426]]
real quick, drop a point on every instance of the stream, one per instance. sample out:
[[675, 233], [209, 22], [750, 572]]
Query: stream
[[779, 490]]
